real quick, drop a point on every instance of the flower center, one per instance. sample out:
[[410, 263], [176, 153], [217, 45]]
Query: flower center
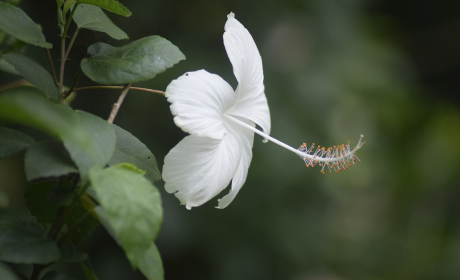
[[335, 158]]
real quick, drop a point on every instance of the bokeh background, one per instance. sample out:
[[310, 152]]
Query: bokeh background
[[334, 69]]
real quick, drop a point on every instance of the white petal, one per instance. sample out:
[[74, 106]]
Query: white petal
[[247, 139], [198, 100], [199, 168], [247, 67]]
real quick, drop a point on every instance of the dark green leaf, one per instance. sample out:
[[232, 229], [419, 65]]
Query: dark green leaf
[[33, 73], [62, 193], [12, 141], [132, 207], [70, 254], [108, 5], [7, 273], [88, 139], [150, 264], [47, 159], [27, 244], [16, 23], [129, 149], [38, 200], [56, 275], [138, 61], [88, 273], [93, 18]]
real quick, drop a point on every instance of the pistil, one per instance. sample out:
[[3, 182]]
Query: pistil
[[335, 158]]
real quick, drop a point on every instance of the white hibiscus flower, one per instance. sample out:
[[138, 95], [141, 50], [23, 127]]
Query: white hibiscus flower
[[221, 123]]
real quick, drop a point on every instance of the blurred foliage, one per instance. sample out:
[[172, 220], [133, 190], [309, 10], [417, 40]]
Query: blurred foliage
[[333, 69]]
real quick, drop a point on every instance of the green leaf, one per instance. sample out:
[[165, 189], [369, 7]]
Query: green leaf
[[67, 5], [33, 73], [93, 18], [7, 273], [16, 23], [148, 260], [88, 273], [60, 15], [56, 275], [27, 244], [150, 263], [88, 139], [7, 221], [132, 207], [138, 61], [108, 5], [8, 68], [12, 142], [129, 149], [69, 254], [47, 159], [101, 137]]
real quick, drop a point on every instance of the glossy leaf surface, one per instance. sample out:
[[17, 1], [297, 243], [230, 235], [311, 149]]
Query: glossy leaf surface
[[140, 60]]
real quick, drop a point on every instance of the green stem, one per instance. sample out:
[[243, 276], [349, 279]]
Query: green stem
[[68, 21], [71, 42], [61, 72], [67, 93], [50, 62], [120, 87], [58, 223], [117, 105], [63, 53], [38, 270]]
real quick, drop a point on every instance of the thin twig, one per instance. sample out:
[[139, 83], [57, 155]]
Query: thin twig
[[61, 72], [53, 73], [18, 83], [38, 270], [71, 43], [81, 219], [120, 87], [63, 54], [75, 81], [117, 105], [58, 223]]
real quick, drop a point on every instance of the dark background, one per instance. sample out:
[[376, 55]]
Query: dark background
[[333, 69]]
